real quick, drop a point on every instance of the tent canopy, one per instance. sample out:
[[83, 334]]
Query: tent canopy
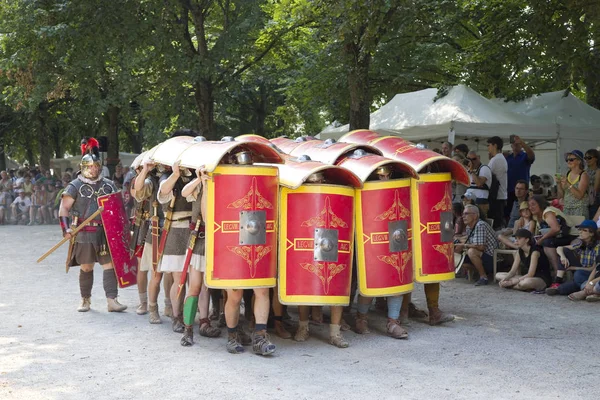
[[550, 117]]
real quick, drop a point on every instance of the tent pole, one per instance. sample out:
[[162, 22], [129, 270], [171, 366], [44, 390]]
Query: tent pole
[[557, 148]]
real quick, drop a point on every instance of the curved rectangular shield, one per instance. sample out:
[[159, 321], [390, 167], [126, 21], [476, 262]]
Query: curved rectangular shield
[[383, 231], [241, 227], [316, 244], [433, 246], [116, 229]]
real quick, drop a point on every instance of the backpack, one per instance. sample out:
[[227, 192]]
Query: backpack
[[494, 188]]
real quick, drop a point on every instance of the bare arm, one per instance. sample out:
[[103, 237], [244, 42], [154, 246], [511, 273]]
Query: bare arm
[[535, 257], [168, 185], [579, 192], [597, 182], [514, 268]]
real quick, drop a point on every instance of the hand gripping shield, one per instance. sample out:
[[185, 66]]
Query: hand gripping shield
[[116, 229]]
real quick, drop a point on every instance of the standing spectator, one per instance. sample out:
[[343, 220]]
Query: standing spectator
[[118, 176], [480, 244], [581, 257], [5, 181], [461, 150], [458, 189], [591, 159], [534, 262], [519, 164], [499, 168], [573, 187], [20, 207], [481, 177], [447, 149], [521, 195]]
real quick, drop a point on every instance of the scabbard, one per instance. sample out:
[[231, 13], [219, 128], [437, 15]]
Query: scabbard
[[188, 254], [155, 235]]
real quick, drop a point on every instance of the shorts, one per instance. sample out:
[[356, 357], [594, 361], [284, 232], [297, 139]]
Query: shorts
[[488, 263], [175, 263], [89, 253]]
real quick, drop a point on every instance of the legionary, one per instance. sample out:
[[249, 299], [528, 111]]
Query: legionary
[[149, 220], [89, 246], [198, 295]]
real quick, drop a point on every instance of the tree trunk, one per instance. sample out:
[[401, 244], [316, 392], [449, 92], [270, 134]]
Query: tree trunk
[[358, 86], [261, 111], [58, 150], [2, 157], [112, 119], [43, 135], [205, 104], [592, 79], [138, 139]]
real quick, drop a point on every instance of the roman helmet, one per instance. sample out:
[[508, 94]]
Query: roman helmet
[[90, 165]]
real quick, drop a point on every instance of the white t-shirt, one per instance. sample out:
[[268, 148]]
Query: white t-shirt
[[499, 167], [484, 171], [22, 203]]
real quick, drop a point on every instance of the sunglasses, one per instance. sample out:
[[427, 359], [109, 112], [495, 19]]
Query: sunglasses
[[571, 159], [588, 157]]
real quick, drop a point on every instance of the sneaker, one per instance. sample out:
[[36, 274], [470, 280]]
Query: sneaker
[[553, 289], [233, 344], [481, 282], [261, 344]]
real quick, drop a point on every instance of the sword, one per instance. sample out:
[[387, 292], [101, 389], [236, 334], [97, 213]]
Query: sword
[[188, 254], [136, 228], [166, 228], [73, 233], [155, 233]]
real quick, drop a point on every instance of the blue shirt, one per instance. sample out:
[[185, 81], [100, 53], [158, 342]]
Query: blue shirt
[[518, 168]]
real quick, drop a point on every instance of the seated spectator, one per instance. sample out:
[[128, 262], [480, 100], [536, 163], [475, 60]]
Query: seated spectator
[[525, 221], [554, 232], [532, 261], [591, 291], [481, 178], [5, 181], [591, 159], [52, 191], [480, 244], [581, 257], [38, 202], [459, 224], [5, 201], [537, 187], [521, 195], [572, 188], [20, 207], [27, 185]]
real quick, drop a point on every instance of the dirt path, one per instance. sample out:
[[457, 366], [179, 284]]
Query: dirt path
[[504, 345]]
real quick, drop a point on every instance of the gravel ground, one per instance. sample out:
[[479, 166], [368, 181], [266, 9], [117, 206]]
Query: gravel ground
[[503, 345]]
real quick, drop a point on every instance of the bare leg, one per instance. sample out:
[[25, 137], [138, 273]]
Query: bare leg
[[232, 307], [477, 262], [554, 261], [531, 284]]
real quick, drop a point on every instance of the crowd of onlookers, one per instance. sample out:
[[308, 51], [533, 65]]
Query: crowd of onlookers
[[554, 231], [31, 196]]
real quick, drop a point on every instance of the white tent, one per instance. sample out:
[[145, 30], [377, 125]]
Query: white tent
[[417, 117]]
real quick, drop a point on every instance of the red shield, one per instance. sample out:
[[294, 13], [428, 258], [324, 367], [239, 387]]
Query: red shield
[[399, 149], [383, 231], [316, 242], [116, 229], [241, 200], [433, 229]]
